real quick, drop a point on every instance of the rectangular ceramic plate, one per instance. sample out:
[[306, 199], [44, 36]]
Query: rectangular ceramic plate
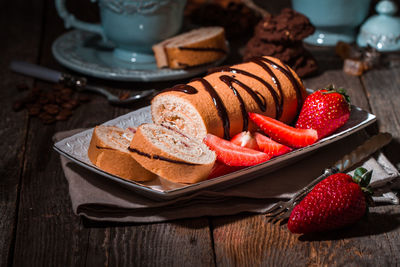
[[75, 148]]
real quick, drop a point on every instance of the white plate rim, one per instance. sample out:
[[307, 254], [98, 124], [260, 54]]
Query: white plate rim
[[218, 181]]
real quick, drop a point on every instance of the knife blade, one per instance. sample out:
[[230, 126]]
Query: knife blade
[[361, 152]]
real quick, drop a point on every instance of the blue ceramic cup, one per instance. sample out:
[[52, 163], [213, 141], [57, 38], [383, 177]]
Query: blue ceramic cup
[[132, 26], [334, 20]]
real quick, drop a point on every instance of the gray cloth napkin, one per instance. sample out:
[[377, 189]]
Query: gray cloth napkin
[[98, 198]]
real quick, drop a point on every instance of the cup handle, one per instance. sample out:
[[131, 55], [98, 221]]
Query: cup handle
[[71, 21]]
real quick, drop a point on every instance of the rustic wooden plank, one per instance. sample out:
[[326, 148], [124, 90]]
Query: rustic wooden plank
[[181, 243], [352, 85], [45, 209], [251, 241], [48, 233], [383, 89], [14, 125]]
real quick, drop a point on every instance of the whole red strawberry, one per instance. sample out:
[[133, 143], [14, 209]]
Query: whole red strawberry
[[325, 111], [335, 202]]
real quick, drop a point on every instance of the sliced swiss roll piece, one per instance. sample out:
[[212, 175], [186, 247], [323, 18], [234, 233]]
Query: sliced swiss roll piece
[[171, 154], [108, 150], [196, 47], [220, 102]]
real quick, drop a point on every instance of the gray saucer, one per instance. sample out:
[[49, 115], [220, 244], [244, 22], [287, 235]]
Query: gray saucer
[[85, 52]]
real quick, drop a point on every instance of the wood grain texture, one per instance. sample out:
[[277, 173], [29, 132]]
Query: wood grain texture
[[186, 243], [383, 88], [13, 126], [251, 241], [45, 210], [38, 227], [48, 233]]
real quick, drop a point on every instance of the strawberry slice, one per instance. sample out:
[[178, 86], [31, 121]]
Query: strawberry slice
[[245, 139], [220, 169], [269, 146], [283, 133], [234, 155]]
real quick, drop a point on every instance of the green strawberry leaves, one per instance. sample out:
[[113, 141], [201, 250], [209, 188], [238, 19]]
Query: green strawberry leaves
[[331, 88], [363, 177]]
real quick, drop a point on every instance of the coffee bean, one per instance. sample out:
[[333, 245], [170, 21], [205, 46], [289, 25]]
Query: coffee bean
[[84, 98], [43, 100], [34, 110], [22, 87], [67, 106], [64, 115], [51, 109], [47, 118], [18, 105], [58, 87], [65, 97], [28, 99], [65, 112], [51, 97], [72, 104], [60, 117], [66, 91]]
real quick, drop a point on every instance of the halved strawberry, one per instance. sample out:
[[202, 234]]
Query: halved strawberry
[[269, 146], [245, 139], [284, 133], [220, 169], [234, 155]]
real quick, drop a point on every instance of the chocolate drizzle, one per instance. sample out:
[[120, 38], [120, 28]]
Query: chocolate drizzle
[[266, 64], [203, 49], [222, 113], [101, 147], [141, 153], [229, 80], [184, 88], [277, 96], [283, 69]]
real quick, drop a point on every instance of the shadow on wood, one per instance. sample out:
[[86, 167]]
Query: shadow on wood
[[373, 224]]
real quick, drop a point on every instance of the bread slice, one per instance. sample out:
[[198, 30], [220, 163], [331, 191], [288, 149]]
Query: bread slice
[[108, 150], [196, 47], [171, 154]]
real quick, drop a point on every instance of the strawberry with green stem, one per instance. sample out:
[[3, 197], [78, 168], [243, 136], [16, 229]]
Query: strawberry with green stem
[[335, 202], [325, 111]]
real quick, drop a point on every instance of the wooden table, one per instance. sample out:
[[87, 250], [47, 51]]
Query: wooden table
[[38, 228]]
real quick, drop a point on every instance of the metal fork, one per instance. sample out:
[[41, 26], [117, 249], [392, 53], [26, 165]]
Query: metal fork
[[281, 210]]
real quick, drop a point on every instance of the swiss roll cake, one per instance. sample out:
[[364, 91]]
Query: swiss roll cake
[[219, 102]]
